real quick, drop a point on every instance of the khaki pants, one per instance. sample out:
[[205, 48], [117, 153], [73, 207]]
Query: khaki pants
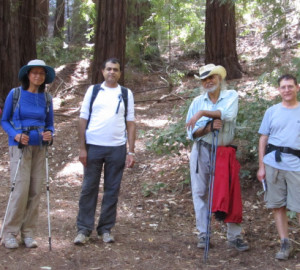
[[283, 189], [22, 214]]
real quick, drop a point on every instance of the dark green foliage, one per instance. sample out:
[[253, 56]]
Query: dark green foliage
[[251, 111], [171, 139], [51, 51], [167, 25]]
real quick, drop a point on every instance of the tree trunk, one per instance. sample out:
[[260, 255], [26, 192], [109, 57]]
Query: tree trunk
[[59, 21], [27, 34], [17, 42], [110, 39], [42, 18], [220, 37]]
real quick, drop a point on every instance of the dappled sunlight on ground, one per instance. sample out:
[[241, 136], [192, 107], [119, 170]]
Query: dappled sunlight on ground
[[154, 122], [70, 169]]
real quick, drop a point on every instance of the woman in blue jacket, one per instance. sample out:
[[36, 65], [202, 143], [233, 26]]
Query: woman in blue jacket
[[28, 120]]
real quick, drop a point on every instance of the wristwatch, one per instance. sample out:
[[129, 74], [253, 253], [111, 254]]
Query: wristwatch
[[131, 153]]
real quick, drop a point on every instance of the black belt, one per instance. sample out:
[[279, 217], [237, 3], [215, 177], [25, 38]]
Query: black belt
[[33, 128], [208, 146], [280, 149]]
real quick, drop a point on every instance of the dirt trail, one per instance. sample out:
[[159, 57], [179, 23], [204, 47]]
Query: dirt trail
[[154, 232]]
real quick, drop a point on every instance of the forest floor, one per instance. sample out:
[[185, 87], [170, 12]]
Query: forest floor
[[155, 226]]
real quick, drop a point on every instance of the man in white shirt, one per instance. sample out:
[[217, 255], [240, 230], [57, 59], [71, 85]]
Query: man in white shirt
[[104, 130]]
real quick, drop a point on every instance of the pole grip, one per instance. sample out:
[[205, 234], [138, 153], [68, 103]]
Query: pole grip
[[20, 145], [48, 143]]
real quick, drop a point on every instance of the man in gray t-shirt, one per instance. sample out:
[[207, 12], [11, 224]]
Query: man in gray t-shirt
[[279, 159]]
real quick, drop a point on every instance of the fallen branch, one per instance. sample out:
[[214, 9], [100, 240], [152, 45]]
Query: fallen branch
[[295, 242]]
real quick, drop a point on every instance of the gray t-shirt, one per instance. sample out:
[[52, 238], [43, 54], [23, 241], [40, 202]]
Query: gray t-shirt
[[282, 125]]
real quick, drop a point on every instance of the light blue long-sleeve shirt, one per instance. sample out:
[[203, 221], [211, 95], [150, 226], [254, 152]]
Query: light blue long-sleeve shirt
[[227, 104]]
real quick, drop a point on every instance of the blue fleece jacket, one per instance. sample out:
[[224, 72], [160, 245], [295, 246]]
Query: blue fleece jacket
[[31, 111]]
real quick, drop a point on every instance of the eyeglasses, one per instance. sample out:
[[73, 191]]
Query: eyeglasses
[[42, 74]]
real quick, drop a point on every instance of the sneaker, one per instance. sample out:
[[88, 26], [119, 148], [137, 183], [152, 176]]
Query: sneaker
[[285, 250], [30, 242], [108, 238], [11, 242], [81, 239], [238, 244]]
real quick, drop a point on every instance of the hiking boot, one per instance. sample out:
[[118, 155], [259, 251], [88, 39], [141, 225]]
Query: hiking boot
[[108, 238], [11, 242], [201, 242], [81, 239], [30, 242], [285, 250], [238, 244]]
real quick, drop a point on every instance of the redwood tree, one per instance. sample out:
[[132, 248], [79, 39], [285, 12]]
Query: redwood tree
[[110, 36], [220, 37], [17, 42]]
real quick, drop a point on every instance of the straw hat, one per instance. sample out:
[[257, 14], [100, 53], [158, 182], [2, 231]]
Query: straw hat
[[209, 70], [50, 73]]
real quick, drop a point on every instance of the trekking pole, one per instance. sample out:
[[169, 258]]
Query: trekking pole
[[213, 156], [48, 198], [48, 192], [21, 147]]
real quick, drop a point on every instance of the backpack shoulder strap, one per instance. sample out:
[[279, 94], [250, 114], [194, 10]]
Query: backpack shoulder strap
[[48, 99], [125, 99], [16, 98], [96, 89]]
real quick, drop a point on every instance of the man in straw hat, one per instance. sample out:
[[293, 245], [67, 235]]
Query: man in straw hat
[[215, 110]]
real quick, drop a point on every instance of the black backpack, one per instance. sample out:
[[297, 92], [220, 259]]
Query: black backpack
[[96, 89]]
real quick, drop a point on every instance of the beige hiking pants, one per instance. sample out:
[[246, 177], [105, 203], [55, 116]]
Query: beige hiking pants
[[22, 214]]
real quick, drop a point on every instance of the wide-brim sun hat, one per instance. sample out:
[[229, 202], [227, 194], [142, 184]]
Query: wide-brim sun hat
[[211, 69], [50, 72]]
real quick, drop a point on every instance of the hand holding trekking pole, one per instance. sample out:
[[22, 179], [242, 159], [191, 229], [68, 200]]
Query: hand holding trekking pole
[[22, 139], [216, 124], [47, 137]]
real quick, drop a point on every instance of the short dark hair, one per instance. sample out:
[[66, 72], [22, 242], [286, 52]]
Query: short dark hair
[[25, 83], [287, 77], [112, 60]]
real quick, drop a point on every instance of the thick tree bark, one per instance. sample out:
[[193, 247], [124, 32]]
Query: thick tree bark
[[17, 42], [110, 39], [220, 37], [59, 21], [27, 33]]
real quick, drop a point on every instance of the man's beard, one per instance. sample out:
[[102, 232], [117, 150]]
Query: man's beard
[[210, 89]]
